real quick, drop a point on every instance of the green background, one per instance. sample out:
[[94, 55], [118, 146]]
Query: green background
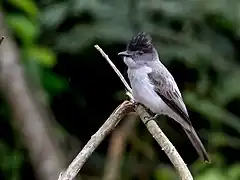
[[197, 40]]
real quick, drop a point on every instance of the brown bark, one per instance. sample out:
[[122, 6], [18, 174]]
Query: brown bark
[[31, 121]]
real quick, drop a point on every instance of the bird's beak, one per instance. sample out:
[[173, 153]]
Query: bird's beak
[[124, 53]]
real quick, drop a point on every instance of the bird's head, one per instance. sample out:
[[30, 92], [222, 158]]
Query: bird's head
[[139, 50]]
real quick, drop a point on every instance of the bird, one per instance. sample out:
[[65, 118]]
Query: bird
[[154, 87]]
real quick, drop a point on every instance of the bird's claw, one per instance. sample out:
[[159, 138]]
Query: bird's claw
[[135, 103], [147, 119]]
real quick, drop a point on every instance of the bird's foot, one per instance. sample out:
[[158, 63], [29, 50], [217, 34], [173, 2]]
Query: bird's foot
[[147, 119], [135, 103]]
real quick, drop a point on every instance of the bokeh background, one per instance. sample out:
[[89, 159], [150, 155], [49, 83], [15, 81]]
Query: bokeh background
[[74, 90]]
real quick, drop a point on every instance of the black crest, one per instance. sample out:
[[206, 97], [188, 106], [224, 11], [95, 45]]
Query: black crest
[[141, 42]]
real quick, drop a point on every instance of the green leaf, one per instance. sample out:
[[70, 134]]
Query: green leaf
[[42, 55], [233, 171], [26, 30], [222, 139], [211, 111], [52, 82], [9, 159], [53, 15], [227, 89], [81, 36], [28, 6], [211, 174], [166, 173]]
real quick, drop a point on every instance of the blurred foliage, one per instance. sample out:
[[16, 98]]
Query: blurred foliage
[[198, 41]]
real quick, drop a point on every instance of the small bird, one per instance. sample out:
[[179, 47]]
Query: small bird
[[154, 86]]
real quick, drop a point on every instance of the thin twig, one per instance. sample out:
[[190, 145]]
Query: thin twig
[[112, 121], [95, 140], [115, 69], [153, 128], [33, 124], [1, 40], [117, 147], [165, 144]]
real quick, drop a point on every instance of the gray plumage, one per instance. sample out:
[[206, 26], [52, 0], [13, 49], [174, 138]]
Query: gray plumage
[[155, 88]]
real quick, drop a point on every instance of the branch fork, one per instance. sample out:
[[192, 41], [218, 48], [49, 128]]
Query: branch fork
[[112, 121]]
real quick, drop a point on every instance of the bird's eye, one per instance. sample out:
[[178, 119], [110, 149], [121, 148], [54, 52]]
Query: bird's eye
[[140, 52]]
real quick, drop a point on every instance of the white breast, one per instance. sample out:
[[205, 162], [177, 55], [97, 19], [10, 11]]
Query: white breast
[[143, 90]]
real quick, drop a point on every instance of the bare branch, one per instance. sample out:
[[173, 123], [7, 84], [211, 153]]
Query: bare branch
[[30, 117], [95, 140], [1, 40], [156, 132], [112, 121], [117, 147], [115, 69], [165, 144]]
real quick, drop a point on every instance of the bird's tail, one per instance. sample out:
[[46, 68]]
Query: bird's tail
[[192, 135]]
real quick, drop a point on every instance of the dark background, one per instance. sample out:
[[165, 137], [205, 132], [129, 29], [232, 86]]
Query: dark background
[[197, 40]]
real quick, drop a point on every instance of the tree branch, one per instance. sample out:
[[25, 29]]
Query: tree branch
[[1, 40], [95, 140], [165, 144], [116, 70], [153, 128], [117, 147], [33, 124], [112, 121]]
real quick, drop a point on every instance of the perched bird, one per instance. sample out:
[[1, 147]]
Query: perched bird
[[155, 88]]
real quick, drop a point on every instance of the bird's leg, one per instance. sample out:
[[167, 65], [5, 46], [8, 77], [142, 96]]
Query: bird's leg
[[147, 118], [135, 103], [154, 118]]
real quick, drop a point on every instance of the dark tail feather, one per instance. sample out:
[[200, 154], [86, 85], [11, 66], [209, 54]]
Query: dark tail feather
[[192, 135]]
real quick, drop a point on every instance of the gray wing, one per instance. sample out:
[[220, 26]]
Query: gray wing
[[167, 89]]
